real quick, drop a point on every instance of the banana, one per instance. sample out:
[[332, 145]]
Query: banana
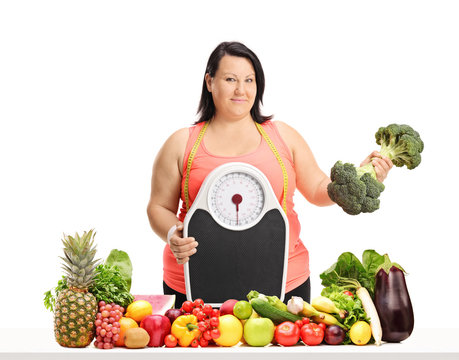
[[308, 310], [328, 319], [324, 304]]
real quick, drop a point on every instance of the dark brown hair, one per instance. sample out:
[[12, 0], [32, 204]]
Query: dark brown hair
[[206, 108]]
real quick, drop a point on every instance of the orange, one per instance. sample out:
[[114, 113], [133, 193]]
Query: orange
[[139, 309], [125, 323]]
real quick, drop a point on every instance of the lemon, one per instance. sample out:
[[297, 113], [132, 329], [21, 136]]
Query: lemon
[[360, 333], [230, 328], [139, 309]]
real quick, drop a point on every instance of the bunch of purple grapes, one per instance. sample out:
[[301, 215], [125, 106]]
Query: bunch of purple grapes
[[107, 325]]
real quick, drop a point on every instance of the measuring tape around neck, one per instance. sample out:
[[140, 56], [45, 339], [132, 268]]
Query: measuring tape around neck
[[271, 146]]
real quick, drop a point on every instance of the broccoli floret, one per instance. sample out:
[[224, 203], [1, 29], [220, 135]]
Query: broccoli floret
[[400, 143], [356, 190]]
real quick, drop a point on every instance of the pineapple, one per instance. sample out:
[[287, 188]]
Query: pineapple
[[76, 308]]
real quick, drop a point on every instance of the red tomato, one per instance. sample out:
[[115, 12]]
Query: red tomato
[[322, 325], [287, 333], [312, 334], [198, 303], [195, 343], [170, 341], [347, 292], [196, 311], [305, 321], [299, 323], [207, 309], [203, 342], [187, 306]]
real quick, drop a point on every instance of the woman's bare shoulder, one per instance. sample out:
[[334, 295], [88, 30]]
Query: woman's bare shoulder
[[291, 137], [173, 149]]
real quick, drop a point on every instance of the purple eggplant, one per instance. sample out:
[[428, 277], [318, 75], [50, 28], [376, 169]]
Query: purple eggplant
[[393, 303]]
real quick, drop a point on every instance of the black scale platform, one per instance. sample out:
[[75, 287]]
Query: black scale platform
[[229, 264]]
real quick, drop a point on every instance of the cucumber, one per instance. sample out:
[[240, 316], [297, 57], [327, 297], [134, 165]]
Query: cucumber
[[265, 309]]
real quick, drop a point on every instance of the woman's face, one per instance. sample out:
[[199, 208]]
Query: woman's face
[[233, 87]]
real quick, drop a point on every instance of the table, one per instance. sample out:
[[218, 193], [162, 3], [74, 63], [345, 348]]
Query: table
[[435, 344]]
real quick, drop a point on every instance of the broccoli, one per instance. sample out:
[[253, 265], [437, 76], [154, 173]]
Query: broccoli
[[357, 190], [401, 144]]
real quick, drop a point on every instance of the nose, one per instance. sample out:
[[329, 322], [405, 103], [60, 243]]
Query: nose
[[239, 87]]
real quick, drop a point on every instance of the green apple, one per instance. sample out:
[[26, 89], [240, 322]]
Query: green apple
[[258, 331]]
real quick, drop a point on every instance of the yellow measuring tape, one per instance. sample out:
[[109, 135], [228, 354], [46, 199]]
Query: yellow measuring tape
[[271, 146]]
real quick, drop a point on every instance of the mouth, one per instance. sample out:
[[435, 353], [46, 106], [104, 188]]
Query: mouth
[[238, 100]]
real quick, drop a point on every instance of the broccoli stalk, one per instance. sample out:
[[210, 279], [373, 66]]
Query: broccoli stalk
[[357, 190]]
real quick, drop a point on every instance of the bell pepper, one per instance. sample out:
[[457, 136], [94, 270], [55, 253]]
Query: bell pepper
[[185, 329]]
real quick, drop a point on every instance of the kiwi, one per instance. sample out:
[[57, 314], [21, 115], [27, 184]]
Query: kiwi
[[136, 338]]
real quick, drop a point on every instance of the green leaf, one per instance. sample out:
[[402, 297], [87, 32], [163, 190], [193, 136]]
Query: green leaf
[[371, 260], [121, 259]]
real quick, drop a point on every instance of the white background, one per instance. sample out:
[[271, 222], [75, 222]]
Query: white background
[[90, 90]]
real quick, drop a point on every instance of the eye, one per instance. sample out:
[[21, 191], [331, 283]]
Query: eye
[[249, 80], [230, 79]]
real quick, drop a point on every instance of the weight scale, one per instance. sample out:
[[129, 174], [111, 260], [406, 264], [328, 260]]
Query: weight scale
[[243, 237]]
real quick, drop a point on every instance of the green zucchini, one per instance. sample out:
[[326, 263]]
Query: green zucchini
[[265, 309]]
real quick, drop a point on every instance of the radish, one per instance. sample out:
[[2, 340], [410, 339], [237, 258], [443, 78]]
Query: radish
[[370, 309]]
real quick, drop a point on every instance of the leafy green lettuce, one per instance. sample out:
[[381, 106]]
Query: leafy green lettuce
[[349, 272], [352, 305], [121, 259]]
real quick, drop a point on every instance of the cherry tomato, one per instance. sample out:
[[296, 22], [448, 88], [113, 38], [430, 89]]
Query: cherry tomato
[[202, 326], [198, 303], [215, 333], [170, 341], [187, 306], [203, 342], [215, 313], [299, 323], [287, 333], [305, 320], [347, 292], [207, 335], [201, 315], [207, 309], [214, 321], [322, 325], [195, 343], [312, 334], [196, 311]]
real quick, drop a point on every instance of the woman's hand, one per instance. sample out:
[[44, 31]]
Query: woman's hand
[[382, 164], [181, 247]]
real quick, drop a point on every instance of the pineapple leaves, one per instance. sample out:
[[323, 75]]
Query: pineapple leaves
[[110, 282]]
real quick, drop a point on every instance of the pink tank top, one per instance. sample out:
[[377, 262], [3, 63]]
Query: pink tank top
[[264, 159]]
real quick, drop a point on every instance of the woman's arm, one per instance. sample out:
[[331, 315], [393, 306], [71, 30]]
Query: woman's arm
[[311, 181], [165, 195]]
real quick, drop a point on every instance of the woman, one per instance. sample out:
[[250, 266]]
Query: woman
[[229, 123]]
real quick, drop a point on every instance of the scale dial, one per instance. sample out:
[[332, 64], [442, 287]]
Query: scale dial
[[236, 199]]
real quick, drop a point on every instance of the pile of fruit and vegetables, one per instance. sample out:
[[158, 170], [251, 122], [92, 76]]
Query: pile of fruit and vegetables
[[362, 302]]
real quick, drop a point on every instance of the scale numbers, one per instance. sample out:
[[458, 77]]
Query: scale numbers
[[236, 199]]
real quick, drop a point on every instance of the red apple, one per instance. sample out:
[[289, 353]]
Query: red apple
[[157, 326], [227, 307]]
